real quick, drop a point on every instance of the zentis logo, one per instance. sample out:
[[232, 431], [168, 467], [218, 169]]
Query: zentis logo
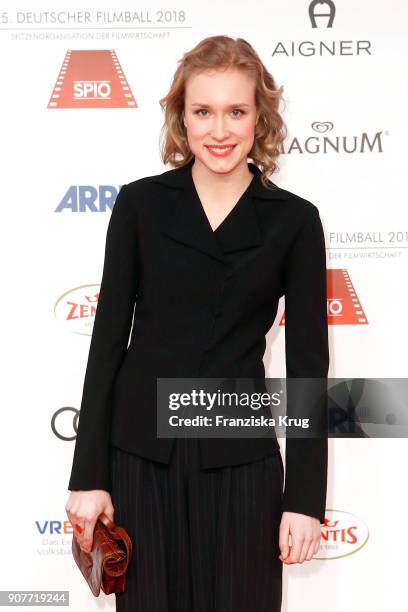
[[91, 79], [342, 534], [76, 308]]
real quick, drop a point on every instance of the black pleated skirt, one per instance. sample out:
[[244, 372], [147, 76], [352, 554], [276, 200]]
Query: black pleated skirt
[[205, 540]]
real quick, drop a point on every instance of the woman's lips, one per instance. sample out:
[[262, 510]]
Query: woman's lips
[[220, 150]]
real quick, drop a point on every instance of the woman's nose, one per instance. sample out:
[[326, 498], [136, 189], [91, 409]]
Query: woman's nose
[[219, 128]]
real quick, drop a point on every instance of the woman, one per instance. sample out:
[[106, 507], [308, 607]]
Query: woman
[[205, 251]]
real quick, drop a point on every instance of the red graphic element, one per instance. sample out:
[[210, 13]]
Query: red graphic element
[[91, 79], [343, 305], [83, 311]]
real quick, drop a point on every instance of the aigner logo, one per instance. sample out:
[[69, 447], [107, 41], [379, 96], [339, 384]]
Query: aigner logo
[[321, 15], [329, 10]]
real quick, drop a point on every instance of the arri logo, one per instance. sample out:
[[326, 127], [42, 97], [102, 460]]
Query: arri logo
[[76, 309], [87, 198], [343, 304], [91, 79]]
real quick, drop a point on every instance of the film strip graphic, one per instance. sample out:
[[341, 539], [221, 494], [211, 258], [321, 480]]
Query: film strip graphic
[[91, 79], [343, 304]]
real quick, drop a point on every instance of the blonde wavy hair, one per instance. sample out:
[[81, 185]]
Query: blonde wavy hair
[[224, 52]]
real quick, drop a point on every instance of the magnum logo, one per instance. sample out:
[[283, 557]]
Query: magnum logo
[[323, 141], [343, 304], [91, 79]]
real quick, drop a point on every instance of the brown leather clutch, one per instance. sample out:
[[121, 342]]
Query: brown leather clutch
[[104, 567]]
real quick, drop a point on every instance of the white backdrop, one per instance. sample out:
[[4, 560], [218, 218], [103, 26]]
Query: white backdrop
[[55, 156]]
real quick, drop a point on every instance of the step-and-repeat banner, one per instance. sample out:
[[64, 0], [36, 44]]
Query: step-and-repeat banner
[[80, 116]]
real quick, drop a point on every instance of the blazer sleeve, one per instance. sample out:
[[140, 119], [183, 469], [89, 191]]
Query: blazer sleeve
[[108, 346], [307, 357]]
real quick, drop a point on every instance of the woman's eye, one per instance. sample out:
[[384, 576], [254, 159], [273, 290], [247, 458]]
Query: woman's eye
[[200, 110]]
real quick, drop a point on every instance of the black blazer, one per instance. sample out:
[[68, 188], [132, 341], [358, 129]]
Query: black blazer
[[204, 302]]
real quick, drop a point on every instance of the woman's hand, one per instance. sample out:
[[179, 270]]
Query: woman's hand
[[83, 509], [305, 535]]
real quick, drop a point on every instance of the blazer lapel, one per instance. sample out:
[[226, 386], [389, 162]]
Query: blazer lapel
[[182, 216]]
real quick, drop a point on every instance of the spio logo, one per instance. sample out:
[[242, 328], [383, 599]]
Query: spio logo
[[92, 89], [343, 534], [343, 304], [76, 309], [91, 78]]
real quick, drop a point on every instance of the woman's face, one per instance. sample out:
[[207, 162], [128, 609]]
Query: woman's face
[[220, 110]]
